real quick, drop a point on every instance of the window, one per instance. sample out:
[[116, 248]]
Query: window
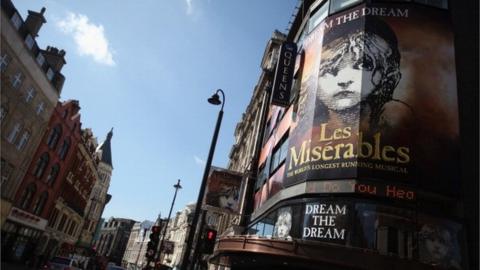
[[73, 226], [16, 20], [318, 15], [23, 140], [263, 173], [268, 131], [279, 154], [3, 112], [4, 61], [54, 136], [50, 74], [53, 218], [29, 41], [6, 169], [62, 222], [40, 107], [434, 3], [41, 165], [17, 80], [39, 205], [40, 59], [52, 176], [30, 94], [12, 136], [337, 5], [27, 196]]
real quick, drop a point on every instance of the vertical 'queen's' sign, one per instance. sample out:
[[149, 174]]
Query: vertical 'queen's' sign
[[284, 74]]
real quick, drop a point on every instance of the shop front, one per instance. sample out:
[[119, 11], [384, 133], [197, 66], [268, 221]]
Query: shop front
[[346, 233], [20, 234]]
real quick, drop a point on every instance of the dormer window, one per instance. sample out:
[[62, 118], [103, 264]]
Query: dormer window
[[16, 20], [40, 59], [29, 41], [50, 74]]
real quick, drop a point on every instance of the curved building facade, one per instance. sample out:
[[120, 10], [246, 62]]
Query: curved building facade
[[360, 168]]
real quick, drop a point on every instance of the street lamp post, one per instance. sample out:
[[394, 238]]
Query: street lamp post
[[215, 100], [177, 187]]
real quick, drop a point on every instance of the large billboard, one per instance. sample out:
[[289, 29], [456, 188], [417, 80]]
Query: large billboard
[[378, 100]]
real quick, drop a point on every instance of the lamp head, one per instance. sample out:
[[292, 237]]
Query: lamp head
[[214, 99]]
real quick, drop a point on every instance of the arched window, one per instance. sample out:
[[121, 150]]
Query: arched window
[[27, 196], [63, 150], [54, 136], [52, 176], [41, 165], [40, 204]]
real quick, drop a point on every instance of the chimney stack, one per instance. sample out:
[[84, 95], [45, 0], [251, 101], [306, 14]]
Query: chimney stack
[[35, 21], [55, 58]]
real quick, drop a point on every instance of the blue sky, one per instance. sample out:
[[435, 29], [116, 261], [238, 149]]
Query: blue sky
[[146, 68]]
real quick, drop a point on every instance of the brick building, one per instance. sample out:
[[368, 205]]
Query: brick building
[[42, 184]]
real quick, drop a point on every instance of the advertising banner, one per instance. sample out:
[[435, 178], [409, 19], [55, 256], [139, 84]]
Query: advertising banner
[[284, 74], [223, 190], [378, 100], [327, 222]]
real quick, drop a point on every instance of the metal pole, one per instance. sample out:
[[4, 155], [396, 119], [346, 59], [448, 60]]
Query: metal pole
[[177, 187], [201, 193], [196, 253]]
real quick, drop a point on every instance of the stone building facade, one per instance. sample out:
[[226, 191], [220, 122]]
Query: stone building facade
[[177, 233], [31, 85], [114, 237], [99, 196], [134, 256]]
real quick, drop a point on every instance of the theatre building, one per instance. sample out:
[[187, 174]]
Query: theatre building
[[359, 164]]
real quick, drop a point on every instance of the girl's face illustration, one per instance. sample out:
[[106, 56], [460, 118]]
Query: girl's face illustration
[[341, 88], [284, 223], [438, 246], [228, 198], [351, 69]]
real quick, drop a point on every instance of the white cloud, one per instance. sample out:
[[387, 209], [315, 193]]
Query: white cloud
[[199, 161], [89, 38], [189, 7]]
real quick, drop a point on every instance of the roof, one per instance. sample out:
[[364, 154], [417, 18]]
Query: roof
[[105, 149]]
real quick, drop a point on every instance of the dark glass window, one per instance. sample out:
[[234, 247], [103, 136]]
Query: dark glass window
[[54, 136], [263, 173], [40, 204], [279, 154], [434, 3], [268, 131], [337, 5], [53, 217], [26, 198], [52, 176], [317, 16], [63, 151], [41, 165]]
